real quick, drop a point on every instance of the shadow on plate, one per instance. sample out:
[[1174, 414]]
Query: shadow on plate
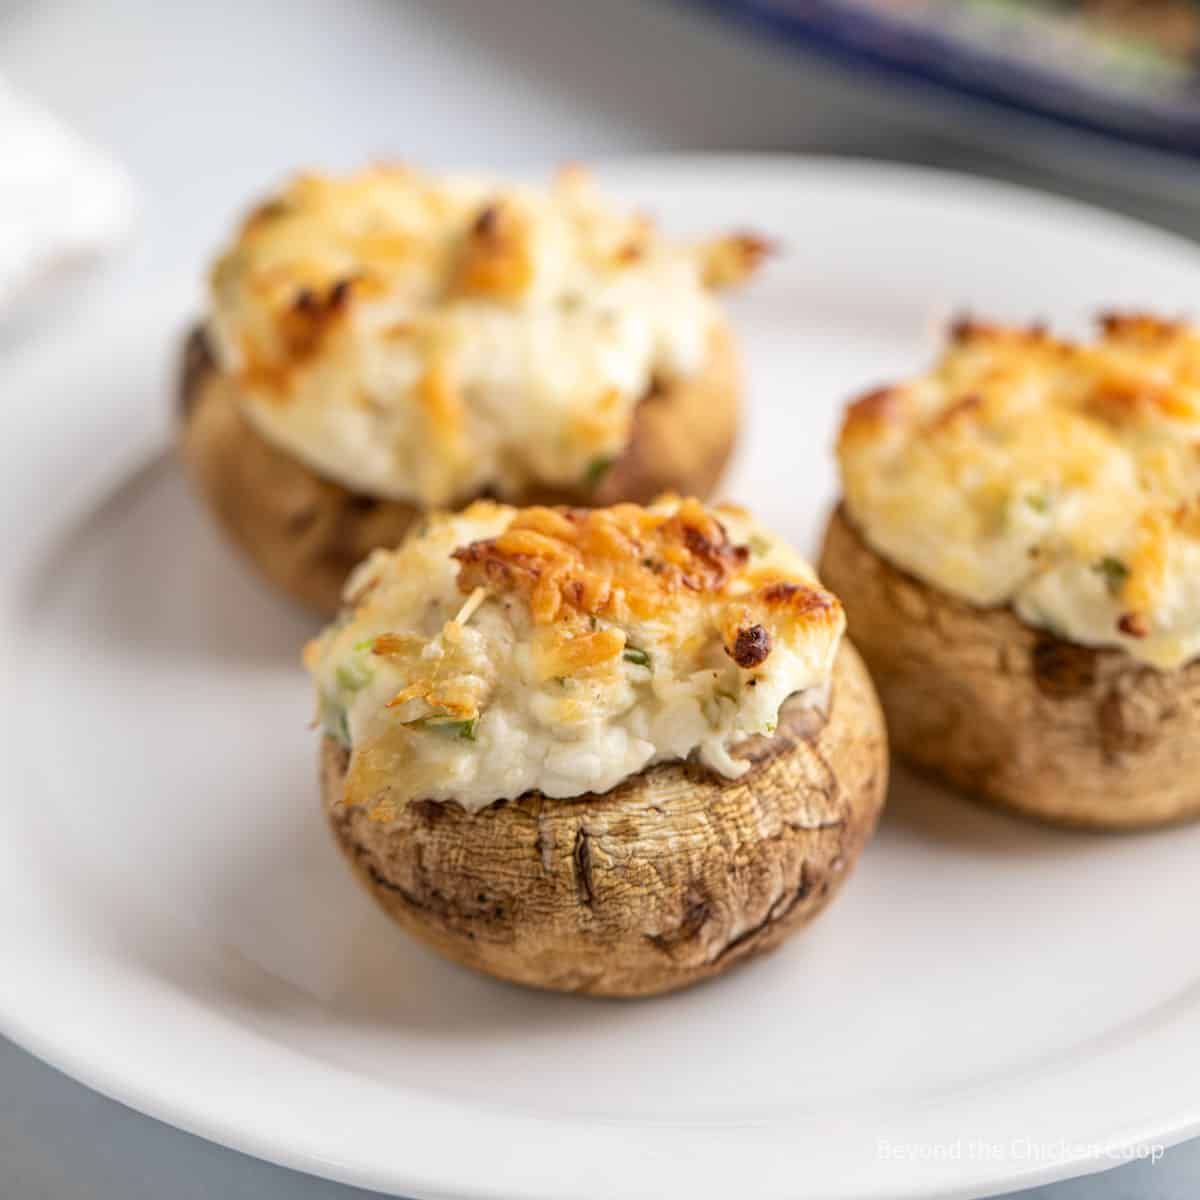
[[295, 920], [145, 566], [930, 814], [289, 946]]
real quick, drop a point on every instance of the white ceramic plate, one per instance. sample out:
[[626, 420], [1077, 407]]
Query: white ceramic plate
[[988, 1005]]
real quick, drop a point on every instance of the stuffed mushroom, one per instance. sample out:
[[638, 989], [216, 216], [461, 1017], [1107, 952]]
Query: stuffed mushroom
[[390, 342], [1018, 549], [609, 750]]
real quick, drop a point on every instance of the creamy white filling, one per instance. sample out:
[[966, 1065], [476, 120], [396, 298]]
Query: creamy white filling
[[564, 736], [1034, 565], [523, 742], [1074, 600], [545, 385]]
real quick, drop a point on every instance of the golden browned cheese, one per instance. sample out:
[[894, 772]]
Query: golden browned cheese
[[630, 561]]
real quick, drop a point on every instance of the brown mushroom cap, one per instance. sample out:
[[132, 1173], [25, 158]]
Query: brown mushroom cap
[[306, 533], [1056, 730], [670, 878]]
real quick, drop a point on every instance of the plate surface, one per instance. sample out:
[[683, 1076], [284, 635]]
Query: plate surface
[[989, 1004]]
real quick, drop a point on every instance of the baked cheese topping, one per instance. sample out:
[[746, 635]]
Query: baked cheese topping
[[430, 338], [1062, 479], [502, 650]]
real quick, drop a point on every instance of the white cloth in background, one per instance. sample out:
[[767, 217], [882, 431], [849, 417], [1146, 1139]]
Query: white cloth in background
[[63, 203]]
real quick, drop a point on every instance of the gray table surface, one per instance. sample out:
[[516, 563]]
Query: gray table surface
[[206, 104]]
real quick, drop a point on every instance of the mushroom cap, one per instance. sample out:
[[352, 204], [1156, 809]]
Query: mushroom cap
[[667, 879], [1067, 733]]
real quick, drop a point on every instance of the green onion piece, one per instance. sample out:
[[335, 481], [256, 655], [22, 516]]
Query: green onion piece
[[462, 729], [450, 726], [634, 655], [1038, 501], [352, 676], [366, 646], [333, 720], [1115, 572], [596, 470]]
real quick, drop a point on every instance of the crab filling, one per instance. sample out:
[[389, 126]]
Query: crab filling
[[502, 650], [429, 339], [1060, 478]]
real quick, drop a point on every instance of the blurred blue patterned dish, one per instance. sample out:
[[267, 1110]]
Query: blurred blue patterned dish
[[1126, 68]]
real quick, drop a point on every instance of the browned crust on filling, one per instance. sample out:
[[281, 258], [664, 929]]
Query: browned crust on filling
[[306, 532], [668, 879], [1056, 730]]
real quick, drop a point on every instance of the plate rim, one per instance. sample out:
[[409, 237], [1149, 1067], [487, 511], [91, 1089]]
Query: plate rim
[[102, 1073]]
